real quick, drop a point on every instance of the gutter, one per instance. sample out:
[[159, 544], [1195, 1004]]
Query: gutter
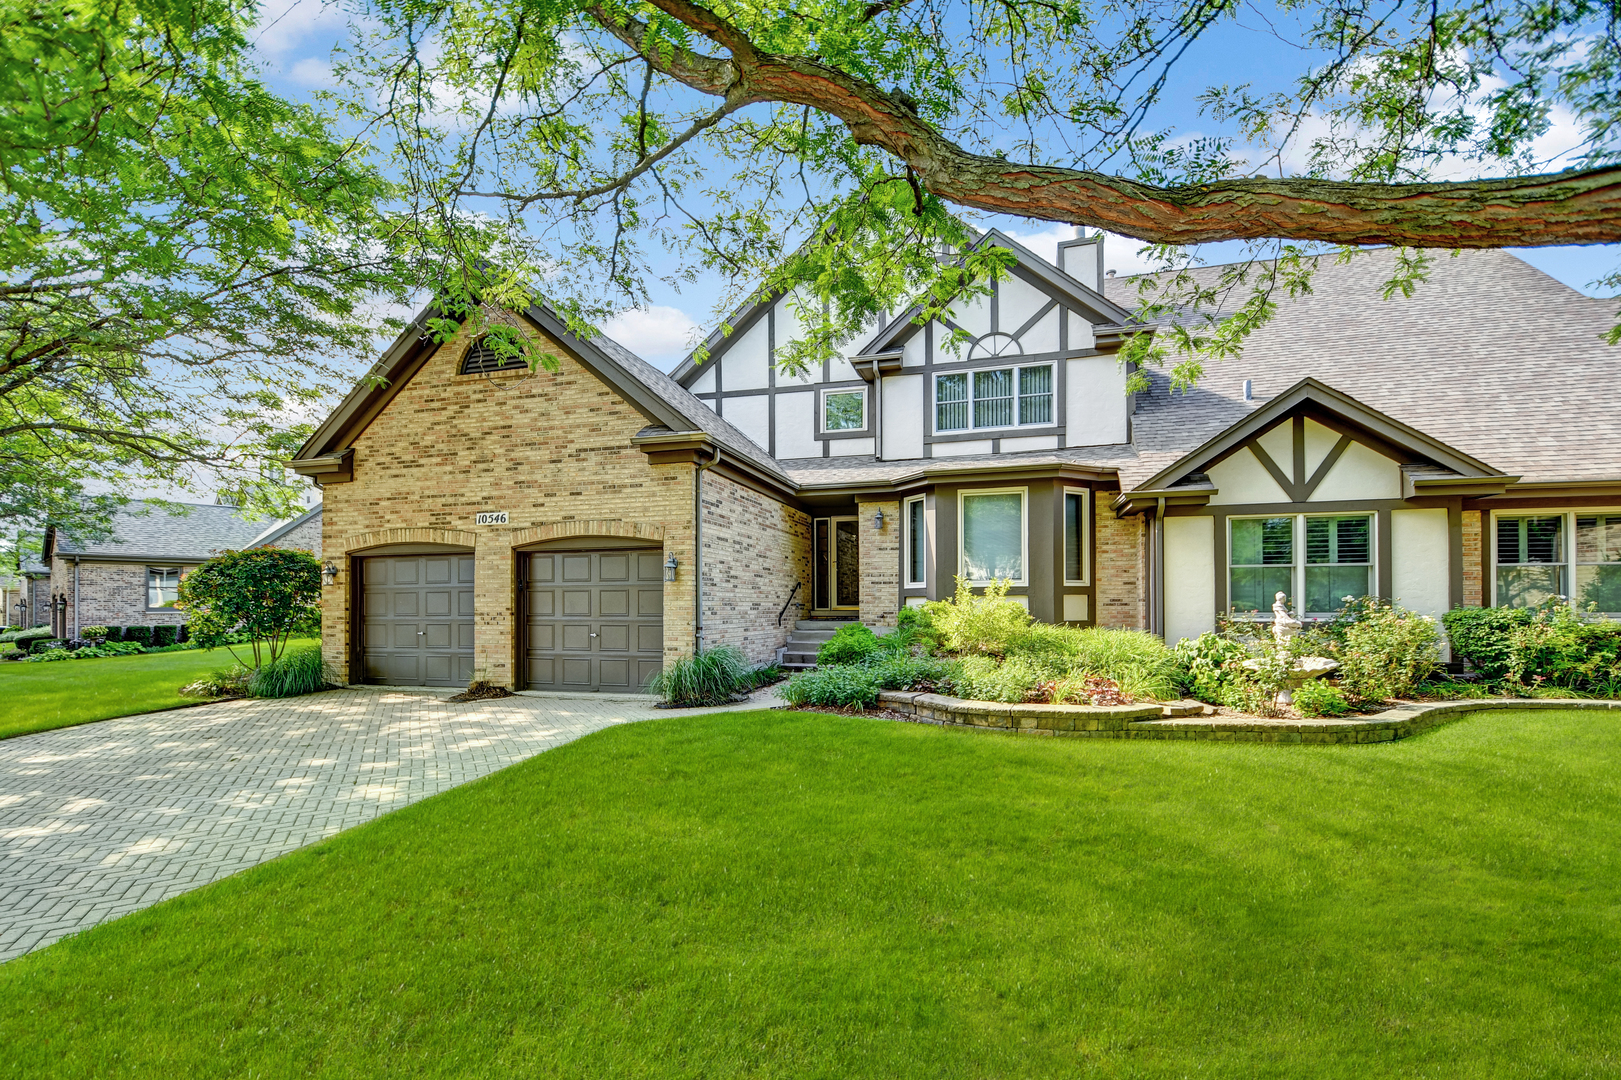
[[75, 596]]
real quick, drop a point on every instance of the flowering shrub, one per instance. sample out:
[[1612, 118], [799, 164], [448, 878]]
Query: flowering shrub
[[1319, 698], [1558, 648], [985, 625], [1385, 650]]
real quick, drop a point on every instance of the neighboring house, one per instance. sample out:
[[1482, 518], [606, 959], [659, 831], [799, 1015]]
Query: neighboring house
[[133, 577], [575, 529]]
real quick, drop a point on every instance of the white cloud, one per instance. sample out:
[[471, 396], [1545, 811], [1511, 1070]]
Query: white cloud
[[310, 72], [1119, 252], [659, 334], [285, 24]]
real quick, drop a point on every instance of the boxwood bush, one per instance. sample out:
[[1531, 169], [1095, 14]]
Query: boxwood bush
[[163, 635], [141, 635], [1482, 636]]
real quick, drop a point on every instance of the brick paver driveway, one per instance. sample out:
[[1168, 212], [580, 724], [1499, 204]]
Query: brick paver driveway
[[101, 819]]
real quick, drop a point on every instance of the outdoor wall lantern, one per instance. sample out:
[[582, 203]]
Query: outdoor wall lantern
[[329, 573], [878, 521], [669, 568]]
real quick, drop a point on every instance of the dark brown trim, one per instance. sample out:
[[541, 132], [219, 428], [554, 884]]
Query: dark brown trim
[[1455, 554], [1385, 566], [1326, 466], [588, 542], [411, 549], [1290, 488]]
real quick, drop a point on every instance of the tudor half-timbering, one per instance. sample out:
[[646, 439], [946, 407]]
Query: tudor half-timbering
[[573, 530]]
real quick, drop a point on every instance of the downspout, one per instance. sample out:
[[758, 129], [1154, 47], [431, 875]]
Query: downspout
[[698, 548], [1158, 571], [75, 596]]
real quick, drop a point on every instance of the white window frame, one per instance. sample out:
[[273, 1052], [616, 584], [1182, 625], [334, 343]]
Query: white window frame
[[1297, 571], [1024, 531], [1085, 537], [1488, 544], [934, 398], [907, 539], [821, 415]]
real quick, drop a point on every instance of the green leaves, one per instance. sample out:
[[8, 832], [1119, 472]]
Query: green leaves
[[268, 593]]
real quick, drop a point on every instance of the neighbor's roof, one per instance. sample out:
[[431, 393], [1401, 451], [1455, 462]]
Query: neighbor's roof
[[149, 530], [1490, 356], [282, 528]]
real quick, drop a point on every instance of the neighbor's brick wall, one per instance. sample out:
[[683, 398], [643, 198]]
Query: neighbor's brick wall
[[550, 448], [1122, 569], [1473, 565], [755, 549], [880, 563], [110, 594], [307, 537], [39, 602]]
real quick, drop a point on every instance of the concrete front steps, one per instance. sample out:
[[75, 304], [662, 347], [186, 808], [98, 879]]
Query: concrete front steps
[[807, 636]]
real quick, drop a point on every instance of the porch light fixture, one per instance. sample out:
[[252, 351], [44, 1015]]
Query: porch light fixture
[[669, 568], [878, 521], [329, 573]]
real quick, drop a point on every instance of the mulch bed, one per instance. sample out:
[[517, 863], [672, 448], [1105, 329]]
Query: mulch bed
[[481, 691]]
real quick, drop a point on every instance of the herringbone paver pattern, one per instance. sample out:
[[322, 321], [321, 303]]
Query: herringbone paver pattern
[[99, 820]]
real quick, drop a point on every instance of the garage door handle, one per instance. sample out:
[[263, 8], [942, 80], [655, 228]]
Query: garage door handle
[[593, 635], [421, 632]]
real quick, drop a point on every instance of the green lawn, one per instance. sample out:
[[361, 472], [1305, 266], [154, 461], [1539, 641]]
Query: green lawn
[[798, 895], [38, 697]]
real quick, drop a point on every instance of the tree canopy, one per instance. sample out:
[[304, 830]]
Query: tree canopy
[[830, 147]]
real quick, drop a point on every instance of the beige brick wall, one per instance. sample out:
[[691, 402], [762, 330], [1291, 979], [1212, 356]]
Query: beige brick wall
[[551, 449], [755, 549], [1473, 560], [109, 594], [1122, 568], [880, 562]]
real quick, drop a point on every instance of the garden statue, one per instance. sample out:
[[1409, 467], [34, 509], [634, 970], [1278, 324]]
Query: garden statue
[[1284, 625]]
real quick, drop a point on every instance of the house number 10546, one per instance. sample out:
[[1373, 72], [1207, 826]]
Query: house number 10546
[[492, 517]]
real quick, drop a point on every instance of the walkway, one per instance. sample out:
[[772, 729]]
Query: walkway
[[103, 819]]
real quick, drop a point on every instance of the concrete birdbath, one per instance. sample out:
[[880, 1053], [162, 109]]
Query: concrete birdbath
[[1304, 669]]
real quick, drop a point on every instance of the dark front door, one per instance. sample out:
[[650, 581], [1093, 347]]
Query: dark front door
[[596, 619], [418, 627]]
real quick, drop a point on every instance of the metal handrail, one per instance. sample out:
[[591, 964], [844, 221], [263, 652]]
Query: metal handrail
[[788, 601]]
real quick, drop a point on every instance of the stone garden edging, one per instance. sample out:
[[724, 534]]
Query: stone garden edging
[[1152, 721]]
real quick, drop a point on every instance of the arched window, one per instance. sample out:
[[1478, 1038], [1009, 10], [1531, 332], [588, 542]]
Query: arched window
[[995, 345], [481, 358]]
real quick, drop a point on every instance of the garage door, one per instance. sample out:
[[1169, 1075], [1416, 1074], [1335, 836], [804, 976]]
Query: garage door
[[418, 620], [596, 619]]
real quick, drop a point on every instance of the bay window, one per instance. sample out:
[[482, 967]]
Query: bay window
[[1000, 398], [992, 535], [1315, 560]]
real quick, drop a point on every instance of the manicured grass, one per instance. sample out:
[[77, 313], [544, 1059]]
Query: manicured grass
[[795, 895], [38, 697]]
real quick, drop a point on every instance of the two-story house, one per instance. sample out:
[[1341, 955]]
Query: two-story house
[[574, 529]]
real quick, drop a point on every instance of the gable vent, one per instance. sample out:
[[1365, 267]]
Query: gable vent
[[481, 358]]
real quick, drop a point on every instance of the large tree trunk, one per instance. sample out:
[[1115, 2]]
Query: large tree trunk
[[1572, 207]]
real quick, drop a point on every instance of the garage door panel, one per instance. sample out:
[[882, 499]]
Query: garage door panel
[[595, 619], [418, 627]]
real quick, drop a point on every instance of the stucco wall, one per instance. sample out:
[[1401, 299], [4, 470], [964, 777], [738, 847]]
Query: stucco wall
[[1190, 577], [1421, 560]]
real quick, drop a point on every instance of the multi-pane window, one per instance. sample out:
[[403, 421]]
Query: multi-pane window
[[162, 587], [916, 541], [1530, 559], [844, 411], [1318, 559], [1000, 398], [1075, 537], [1534, 559], [992, 542], [1598, 561]]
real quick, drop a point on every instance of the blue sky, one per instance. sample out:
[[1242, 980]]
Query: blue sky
[[297, 37]]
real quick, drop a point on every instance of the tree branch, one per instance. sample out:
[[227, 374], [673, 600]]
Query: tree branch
[[1578, 206]]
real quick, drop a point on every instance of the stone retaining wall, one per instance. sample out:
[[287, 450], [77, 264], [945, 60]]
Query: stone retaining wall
[[1151, 721]]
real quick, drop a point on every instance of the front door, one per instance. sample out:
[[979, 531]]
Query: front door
[[838, 563]]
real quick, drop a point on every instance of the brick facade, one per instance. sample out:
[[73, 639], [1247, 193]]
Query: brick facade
[[755, 550], [1122, 568], [306, 537], [109, 594], [880, 562], [1473, 565], [553, 450]]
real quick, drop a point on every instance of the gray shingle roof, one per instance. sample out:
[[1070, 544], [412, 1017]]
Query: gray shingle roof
[[278, 529], [146, 529], [867, 469], [1491, 356]]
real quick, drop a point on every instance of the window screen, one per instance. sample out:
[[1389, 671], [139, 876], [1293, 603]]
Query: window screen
[[1339, 558], [844, 412], [1262, 562]]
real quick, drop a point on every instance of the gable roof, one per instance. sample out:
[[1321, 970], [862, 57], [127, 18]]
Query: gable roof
[[1490, 357], [281, 529], [659, 398], [146, 530]]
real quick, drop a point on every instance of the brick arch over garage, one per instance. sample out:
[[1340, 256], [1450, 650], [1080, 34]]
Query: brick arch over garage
[[562, 530], [358, 542]]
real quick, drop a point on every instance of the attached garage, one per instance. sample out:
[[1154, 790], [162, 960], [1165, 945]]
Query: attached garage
[[418, 619], [594, 619]]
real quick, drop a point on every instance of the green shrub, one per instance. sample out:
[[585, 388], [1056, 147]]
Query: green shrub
[[857, 685], [231, 680], [985, 625], [49, 655], [707, 678], [1203, 663], [850, 644], [141, 635], [115, 633], [1015, 679], [23, 637], [179, 646], [1481, 636], [294, 672], [1319, 698], [1559, 649], [45, 644], [93, 633], [163, 635], [1387, 650]]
